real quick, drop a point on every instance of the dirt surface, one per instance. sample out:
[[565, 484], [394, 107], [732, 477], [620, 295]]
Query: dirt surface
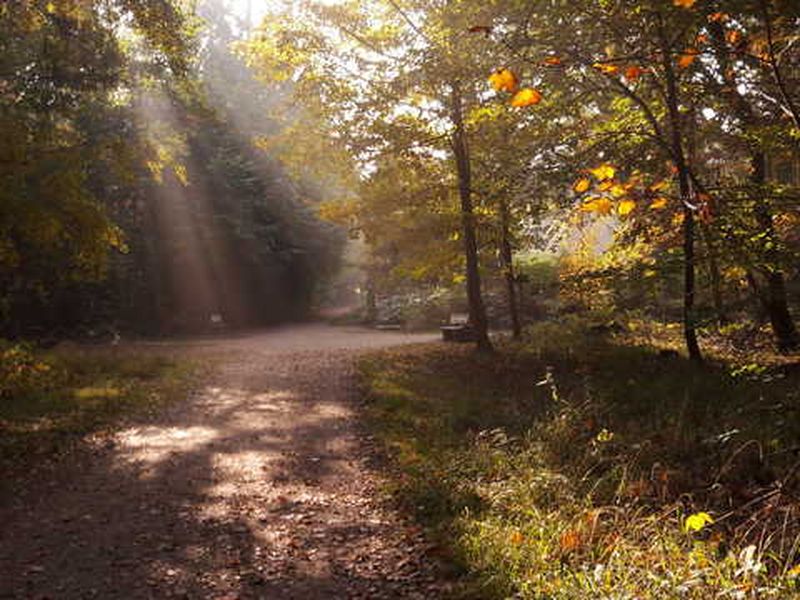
[[259, 485]]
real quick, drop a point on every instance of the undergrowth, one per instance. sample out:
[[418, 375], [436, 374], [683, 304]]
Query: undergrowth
[[577, 466], [50, 401]]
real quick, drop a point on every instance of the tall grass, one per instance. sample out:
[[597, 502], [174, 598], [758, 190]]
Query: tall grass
[[570, 467]]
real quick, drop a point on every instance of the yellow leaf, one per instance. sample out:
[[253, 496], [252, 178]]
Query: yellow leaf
[[618, 190], [603, 172], [50, 8], [684, 3], [688, 57], [581, 185], [658, 204], [697, 521], [794, 572], [605, 186], [607, 68], [625, 207], [601, 206], [526, 97], [504, 80]]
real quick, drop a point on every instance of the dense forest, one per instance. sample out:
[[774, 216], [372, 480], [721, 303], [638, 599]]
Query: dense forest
[[133, 197]]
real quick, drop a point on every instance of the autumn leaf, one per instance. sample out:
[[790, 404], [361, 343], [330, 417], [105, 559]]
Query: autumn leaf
[[625, 207], [603, 172], [688, 57], [633, 72], [526, 97], [504, 80], [697, 521], [516, 538], [601, 206], [617, 190], [552, 61], [485, 29], [658, 203], [581, 185], [684, 3], [733, 36], [658, 185], [718, 17], [606, 68], [605, 186], [570, 540]]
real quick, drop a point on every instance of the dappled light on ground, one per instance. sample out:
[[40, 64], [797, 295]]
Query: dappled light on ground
[[257, 487]]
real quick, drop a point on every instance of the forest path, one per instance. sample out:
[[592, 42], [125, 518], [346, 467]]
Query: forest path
[[259, 485]]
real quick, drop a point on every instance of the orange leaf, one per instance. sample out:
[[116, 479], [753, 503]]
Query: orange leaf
[[552, 61], [485, 29], [516, 538], [733, 36], [633, 72], [605, 186], [684, 3], [701, 39], [719, 17], [658, 203], [581, 185], [570, 540], [526, 97], [606, 68], [504, 80], [625, 207], [658, 185], [688, 57]]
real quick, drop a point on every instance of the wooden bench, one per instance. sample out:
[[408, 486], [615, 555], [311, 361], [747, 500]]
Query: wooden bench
[[458, 329]]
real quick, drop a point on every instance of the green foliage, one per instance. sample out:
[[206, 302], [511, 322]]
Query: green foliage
[[50, 402]]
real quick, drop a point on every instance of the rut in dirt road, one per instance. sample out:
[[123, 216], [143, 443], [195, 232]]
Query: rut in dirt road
[[258, 486]]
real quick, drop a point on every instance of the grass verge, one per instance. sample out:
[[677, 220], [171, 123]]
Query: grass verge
[[51, 401], [574, 466]]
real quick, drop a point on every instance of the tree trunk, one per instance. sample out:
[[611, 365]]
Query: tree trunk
[[507, 258], [679, 159], [774, 299], [477, 310], [777, 305]]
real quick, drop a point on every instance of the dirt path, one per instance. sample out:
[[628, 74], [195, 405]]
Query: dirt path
[[257, 486]]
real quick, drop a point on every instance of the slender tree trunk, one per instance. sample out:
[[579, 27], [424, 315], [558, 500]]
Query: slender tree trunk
[[507, 258], [477, 310], [679, 159], [716, 278], [780, 318], [774, 299]]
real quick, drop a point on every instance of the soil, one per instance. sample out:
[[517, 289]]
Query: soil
[[260, 484]]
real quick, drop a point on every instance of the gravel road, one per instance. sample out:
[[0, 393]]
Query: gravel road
[[258, 485]]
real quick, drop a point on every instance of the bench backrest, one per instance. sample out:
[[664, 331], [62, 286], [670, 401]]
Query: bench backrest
[[459, 318]]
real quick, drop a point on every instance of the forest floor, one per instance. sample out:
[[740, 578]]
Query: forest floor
[[261, 484]]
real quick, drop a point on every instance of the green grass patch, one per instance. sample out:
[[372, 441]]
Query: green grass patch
[[567, 467], [50, 401]]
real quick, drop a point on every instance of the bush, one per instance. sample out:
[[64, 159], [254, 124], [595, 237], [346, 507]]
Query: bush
[[23, 375]]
